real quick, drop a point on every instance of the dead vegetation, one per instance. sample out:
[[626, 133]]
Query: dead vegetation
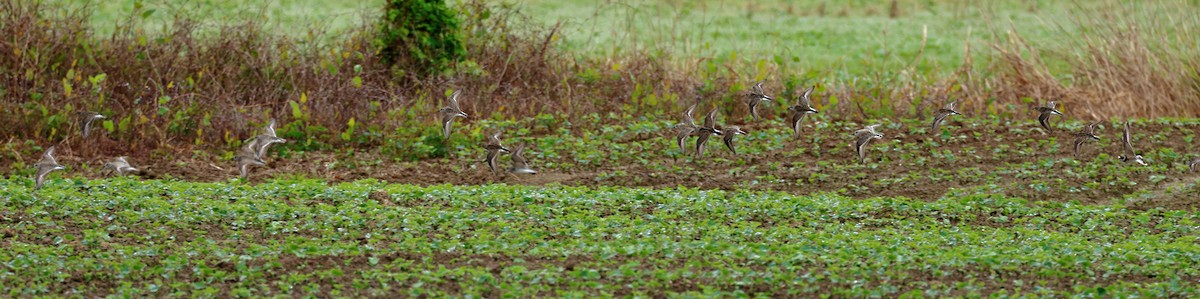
[[180, 89]]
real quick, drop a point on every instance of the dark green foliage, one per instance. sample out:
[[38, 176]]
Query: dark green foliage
[[420, 36]]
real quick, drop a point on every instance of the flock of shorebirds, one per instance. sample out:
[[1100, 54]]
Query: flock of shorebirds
[[251, 153]]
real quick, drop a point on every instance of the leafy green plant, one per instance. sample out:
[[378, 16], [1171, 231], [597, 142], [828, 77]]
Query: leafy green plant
[[420, 35]]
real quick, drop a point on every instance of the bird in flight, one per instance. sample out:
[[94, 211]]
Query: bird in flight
[[450, 112], [44, 166], [802, 108]]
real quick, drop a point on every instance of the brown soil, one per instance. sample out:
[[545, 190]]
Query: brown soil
[[795, 173]]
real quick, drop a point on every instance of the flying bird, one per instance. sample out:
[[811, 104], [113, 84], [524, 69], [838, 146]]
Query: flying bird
[[862, 137], [1083, 136], [1130, 155], [802, 108], [264, 140], [729, 132], [520, 164], [119, 166], [942, 114], [449, 113], [755, 98], [494, 149], [44, 166], [686, 129], [246, 157], [86, 118], [1044, 114], [709, 129]]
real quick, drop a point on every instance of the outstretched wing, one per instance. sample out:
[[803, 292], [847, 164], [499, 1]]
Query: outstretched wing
[[1043, 118], [681, 137], [710, 121], [270, 130], [729, 143], [454, 100], [494, 138], [804, 99], [700, 143], [758, 90], [447, 121], [48, 156], [937, 120], [491, 159], [518, 156], [687, 115], [1129, 152], [797, 116]]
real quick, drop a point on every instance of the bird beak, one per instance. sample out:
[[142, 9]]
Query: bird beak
[[464, 115], [814, 111]]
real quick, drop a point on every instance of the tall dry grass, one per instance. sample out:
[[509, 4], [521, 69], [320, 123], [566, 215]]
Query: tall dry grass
[[196, 86], [1126, 60]]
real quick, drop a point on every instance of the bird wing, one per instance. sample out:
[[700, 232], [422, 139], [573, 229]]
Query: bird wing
[[447, 121], [518, 156], [681, 137], [700, 143], [1129, 152], [797, 116], [687, 115], [1043, 118], [270, 130], [491, 159], [758, 90], [454, 100], [937, 120], [48, 156], [710, 121], [804, 99], [729, 143], [494, 139]]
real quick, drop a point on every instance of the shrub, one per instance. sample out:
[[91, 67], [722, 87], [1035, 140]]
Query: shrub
[[420, 35]]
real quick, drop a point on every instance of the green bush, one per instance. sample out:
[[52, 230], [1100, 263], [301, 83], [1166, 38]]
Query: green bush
[[420, 36]]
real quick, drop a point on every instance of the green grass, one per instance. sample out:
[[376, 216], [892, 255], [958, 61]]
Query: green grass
[[295, 17], [160, 238], [851, 38]]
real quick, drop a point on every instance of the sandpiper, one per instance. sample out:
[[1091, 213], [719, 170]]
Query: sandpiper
[[264, 140], [494, 149], [686, 129], [802, 108], [1044, 114], [1192, 165], [862, 137], [729, 132], [709, 129], [119, 166], [449, 113], [1130, 155], [755, 98], [246, 157], [86, 118], [942, 114], [520, 165], [44, 166], [1083, 136]]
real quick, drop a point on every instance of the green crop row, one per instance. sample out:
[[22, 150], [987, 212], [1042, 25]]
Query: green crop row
[[368, 238]]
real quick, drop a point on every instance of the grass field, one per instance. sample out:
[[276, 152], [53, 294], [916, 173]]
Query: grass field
[[366, 238], [367, 199]]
